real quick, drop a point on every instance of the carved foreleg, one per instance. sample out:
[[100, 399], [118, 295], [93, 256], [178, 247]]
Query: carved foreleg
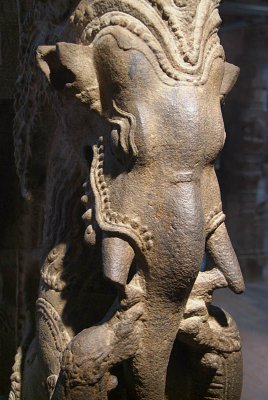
[[90, 356]]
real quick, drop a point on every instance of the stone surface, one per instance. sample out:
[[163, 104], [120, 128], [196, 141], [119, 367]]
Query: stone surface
[[118, 104], [251, 314]]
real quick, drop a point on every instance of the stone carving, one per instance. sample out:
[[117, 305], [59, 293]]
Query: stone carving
[[136, 87]]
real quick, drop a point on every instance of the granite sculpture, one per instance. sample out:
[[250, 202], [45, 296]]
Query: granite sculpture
[[123, 311]]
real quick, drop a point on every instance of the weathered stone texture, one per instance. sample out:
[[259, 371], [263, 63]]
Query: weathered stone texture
[[117, 126]]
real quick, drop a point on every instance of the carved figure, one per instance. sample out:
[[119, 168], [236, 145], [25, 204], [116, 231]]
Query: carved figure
[[139, 83]]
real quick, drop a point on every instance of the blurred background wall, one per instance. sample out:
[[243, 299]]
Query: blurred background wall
[[244, 161], [242, 166]]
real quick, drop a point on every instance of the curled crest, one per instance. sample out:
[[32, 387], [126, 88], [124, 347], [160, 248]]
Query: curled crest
[[181, 34]]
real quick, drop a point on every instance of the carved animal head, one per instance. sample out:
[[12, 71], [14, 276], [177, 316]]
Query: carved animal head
[[155, 70], [158, 53]]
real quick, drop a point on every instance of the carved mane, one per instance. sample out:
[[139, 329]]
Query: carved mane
[[183, 46]]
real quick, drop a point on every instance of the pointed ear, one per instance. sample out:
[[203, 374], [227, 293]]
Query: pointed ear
[[69, 65], [231, 73], [45, 55]]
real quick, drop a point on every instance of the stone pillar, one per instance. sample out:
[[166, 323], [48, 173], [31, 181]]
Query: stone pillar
[[245, 157]]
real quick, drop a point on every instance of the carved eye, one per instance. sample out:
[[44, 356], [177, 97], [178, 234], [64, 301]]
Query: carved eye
[[122, 135], [114, 140], [119, 139], [231, 73]]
